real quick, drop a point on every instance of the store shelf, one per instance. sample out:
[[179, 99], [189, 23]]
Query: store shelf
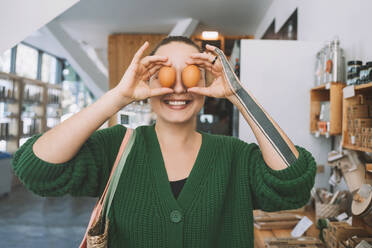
[[357, 148], [32, 117], [31, 102], [331, 92], [10, 138], [367, 86], [8, 100], [321, 133], [353, 94], [54, 105], [38, 98]]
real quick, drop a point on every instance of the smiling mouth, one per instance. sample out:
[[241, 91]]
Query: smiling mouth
[[177, 102]]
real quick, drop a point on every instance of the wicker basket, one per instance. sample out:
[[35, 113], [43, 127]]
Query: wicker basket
[[323, 210]]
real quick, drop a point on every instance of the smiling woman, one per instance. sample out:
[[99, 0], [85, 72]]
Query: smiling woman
[[180, 187]]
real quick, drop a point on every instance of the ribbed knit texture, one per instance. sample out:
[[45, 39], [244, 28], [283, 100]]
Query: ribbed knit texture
[[229, 180]]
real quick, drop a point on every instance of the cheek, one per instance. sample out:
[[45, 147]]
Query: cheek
[[155, 103], [199, 102]]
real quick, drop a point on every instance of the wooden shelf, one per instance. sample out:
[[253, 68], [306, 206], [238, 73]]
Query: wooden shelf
[[363, 86], [331, 92], [357, 148], [364, 90], [21, 83]]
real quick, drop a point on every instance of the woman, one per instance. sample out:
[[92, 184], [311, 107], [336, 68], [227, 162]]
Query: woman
[[216, 180]]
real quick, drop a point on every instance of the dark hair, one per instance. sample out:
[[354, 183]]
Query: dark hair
[[169, 39]]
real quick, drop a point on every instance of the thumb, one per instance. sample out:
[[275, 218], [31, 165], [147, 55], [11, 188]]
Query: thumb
[[160, 91], [200, 90]]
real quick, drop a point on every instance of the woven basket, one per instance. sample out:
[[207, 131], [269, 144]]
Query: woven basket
[[327, 210]]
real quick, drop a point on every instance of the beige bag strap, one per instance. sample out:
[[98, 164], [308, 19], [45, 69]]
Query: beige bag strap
[[124, 143], [99, 205]]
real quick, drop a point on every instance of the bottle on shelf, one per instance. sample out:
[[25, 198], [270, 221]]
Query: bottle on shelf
[[327, 63], [53, 96], [318, 68], [337, 57], [7, 91], [4, 131]]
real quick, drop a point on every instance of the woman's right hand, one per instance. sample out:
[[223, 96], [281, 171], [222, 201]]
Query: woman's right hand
[[134, 84]]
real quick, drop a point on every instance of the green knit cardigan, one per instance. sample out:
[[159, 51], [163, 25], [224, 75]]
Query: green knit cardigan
[[214, 209]]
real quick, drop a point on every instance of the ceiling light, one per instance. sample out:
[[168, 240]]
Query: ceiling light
[[210, 35]]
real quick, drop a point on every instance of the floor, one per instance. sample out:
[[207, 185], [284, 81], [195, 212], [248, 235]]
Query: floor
[[27, 220]]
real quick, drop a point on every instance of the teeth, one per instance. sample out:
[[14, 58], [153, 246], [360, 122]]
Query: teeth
[[176, 102]]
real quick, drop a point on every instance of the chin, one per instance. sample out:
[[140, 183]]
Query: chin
[[176, 119]]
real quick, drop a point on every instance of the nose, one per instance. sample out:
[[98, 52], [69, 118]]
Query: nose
[[178, 86]]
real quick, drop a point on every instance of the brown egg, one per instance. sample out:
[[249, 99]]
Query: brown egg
[[190, 76], [167, 76]]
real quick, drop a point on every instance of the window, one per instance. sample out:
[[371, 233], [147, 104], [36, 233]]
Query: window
[[48, 68], [26, 61], [5, 61]]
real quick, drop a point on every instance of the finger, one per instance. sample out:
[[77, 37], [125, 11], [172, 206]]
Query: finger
[[157, 65], [146, 61], [151, 72], [151, 65], [205, 91], [139, 53], [210, 48], [155, 69], [203, 56], [161, 91], [202, 63]]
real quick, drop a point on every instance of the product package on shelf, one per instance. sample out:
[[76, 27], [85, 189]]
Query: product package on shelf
[[359, 121], [341, 234], [329, 205], [293, 242], [356, 242], [349, 164], [269, 221], [357, 73]]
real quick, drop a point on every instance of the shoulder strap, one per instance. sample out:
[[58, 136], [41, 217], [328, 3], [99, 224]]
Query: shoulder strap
[[127, 135], [122, 157]]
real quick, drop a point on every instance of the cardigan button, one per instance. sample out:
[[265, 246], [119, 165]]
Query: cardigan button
[[175, 216]]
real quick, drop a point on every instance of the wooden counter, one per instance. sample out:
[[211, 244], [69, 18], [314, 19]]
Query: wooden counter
[[260, 235]]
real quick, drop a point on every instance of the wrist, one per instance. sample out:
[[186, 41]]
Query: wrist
[[119, 101]]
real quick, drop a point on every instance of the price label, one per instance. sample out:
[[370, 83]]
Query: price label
[[349, 91], [301, 227], [341, 217]]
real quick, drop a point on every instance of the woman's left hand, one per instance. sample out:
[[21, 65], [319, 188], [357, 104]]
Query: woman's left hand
[[219, 87]]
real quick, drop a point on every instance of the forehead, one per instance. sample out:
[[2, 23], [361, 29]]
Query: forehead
[[177, 52]]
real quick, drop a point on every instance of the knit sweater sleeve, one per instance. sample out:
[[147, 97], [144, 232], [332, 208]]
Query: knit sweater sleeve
[[274, 190], [84, 175]]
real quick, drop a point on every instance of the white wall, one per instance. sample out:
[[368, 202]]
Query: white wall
[[19, 18], [321, 20], [279, 75]]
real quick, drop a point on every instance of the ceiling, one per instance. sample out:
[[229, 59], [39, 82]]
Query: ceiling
[[92, 21]]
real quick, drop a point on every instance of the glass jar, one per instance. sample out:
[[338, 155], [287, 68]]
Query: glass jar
[[349, 80], [368, 72], [354, 79], [363, 74], [353, 66]]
